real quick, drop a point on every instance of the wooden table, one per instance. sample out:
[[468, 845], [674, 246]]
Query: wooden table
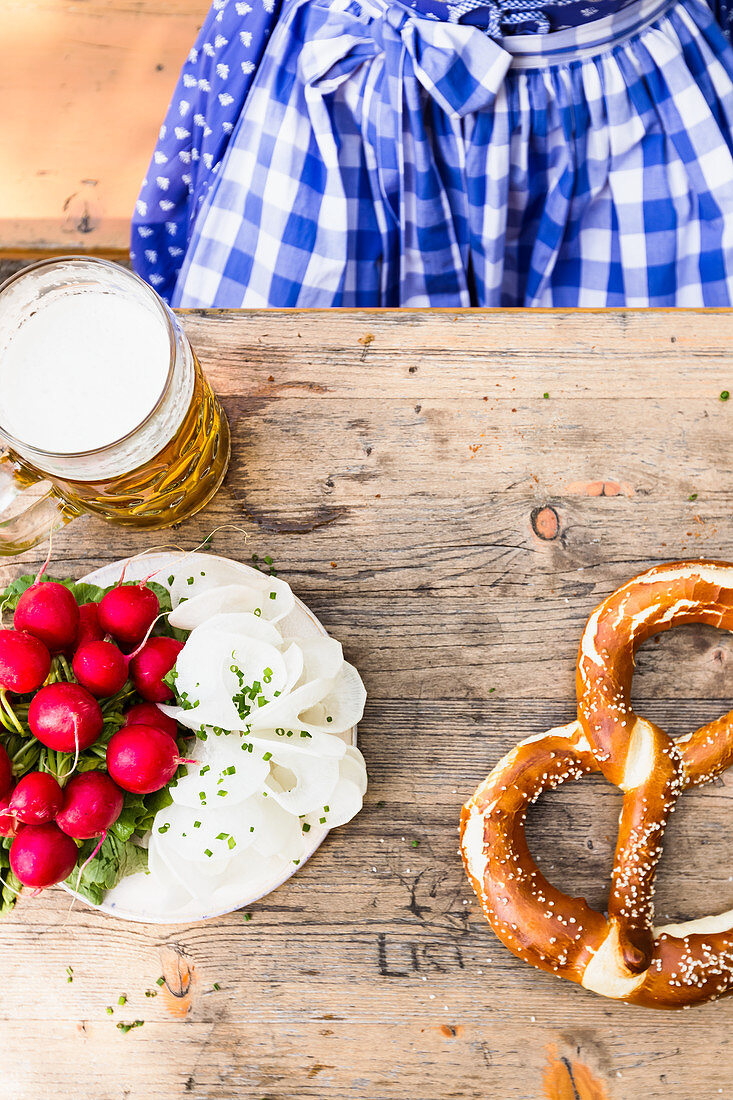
[[452, 495], [90, 85]]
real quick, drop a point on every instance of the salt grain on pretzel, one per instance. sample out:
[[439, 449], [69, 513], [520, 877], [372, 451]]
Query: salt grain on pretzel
[[619, 956]]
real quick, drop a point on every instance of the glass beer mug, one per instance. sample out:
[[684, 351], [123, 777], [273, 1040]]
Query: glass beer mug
[[104, 407]]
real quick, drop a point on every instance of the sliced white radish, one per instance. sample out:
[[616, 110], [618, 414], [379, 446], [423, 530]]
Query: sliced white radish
[[345, 800], [199, 573], [300, 782], [228, 768]]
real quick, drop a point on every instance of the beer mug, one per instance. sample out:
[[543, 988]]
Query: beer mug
[[104, 407]]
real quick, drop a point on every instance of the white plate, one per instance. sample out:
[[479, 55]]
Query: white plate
[[134, 897]]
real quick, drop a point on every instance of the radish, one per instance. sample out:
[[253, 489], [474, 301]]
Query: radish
[[142, 759], [6, 770], [92, 802], [148, 668], [147, 714], [49, 611], [36, 799], [100, 667], [89, 628], [65, 717], [127, 613], [8, 824], [41, 855], [24, 662]]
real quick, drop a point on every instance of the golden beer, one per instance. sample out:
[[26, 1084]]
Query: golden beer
[[103, 399]]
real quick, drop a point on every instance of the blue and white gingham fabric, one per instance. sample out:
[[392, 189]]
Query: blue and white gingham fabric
[[381, 157]]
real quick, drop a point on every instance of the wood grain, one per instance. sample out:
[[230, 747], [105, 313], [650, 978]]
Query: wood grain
[[89, 84], [402, 485]]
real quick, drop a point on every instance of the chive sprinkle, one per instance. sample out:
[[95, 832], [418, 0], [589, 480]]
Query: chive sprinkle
[[416, 843], [273, 595], [306, 827], [122, 999], [248, 916], [217, 987], [724, 395], [208, 852], [160, 981]]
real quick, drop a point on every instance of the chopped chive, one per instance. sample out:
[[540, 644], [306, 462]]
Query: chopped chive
[[206, 768], [268, 559], [545, 395], [190, 580], [197, 824], [122, 999], [322, 820], [217, 987], [164, 828], [267, 756], [208, 852], [222, 836], [306, 827], [248, 916], [171, 579], [692, 496], [231, 843], [416, 843], [230, 771], [257, 611], [124, 1028], [110, 1010], [329, 719], [221, 794], [160, 981], [273, 595], [724, 395]]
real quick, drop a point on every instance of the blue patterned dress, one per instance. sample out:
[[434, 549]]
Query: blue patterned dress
[[383, 153]]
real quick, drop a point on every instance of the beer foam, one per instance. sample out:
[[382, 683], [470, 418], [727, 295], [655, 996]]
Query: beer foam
[[82, 371]]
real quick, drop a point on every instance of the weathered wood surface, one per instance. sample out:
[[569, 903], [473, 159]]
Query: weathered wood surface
[[85, 87], [398, 468]]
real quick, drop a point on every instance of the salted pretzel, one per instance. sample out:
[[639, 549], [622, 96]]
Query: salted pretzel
[[620, 956]]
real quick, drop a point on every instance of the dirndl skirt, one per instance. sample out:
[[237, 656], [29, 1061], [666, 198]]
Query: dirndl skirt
[[381, 158]]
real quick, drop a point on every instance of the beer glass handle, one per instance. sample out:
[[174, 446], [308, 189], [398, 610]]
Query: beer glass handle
[[29, 508]]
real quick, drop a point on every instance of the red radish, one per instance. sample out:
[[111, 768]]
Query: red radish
[[157, 657], [65, 717], [127, 613], [100, 667], [89, 628], [41, 855], [142, 759], [92, 802], [8, 824], [49, 612], [24, 661], [6, 773], [36, 799], [147, 714]]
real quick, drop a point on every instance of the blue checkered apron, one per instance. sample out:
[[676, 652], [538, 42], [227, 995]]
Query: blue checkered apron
[[383, 158]]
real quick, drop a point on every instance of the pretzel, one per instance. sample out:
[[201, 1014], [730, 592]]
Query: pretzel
[[621, 955]]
